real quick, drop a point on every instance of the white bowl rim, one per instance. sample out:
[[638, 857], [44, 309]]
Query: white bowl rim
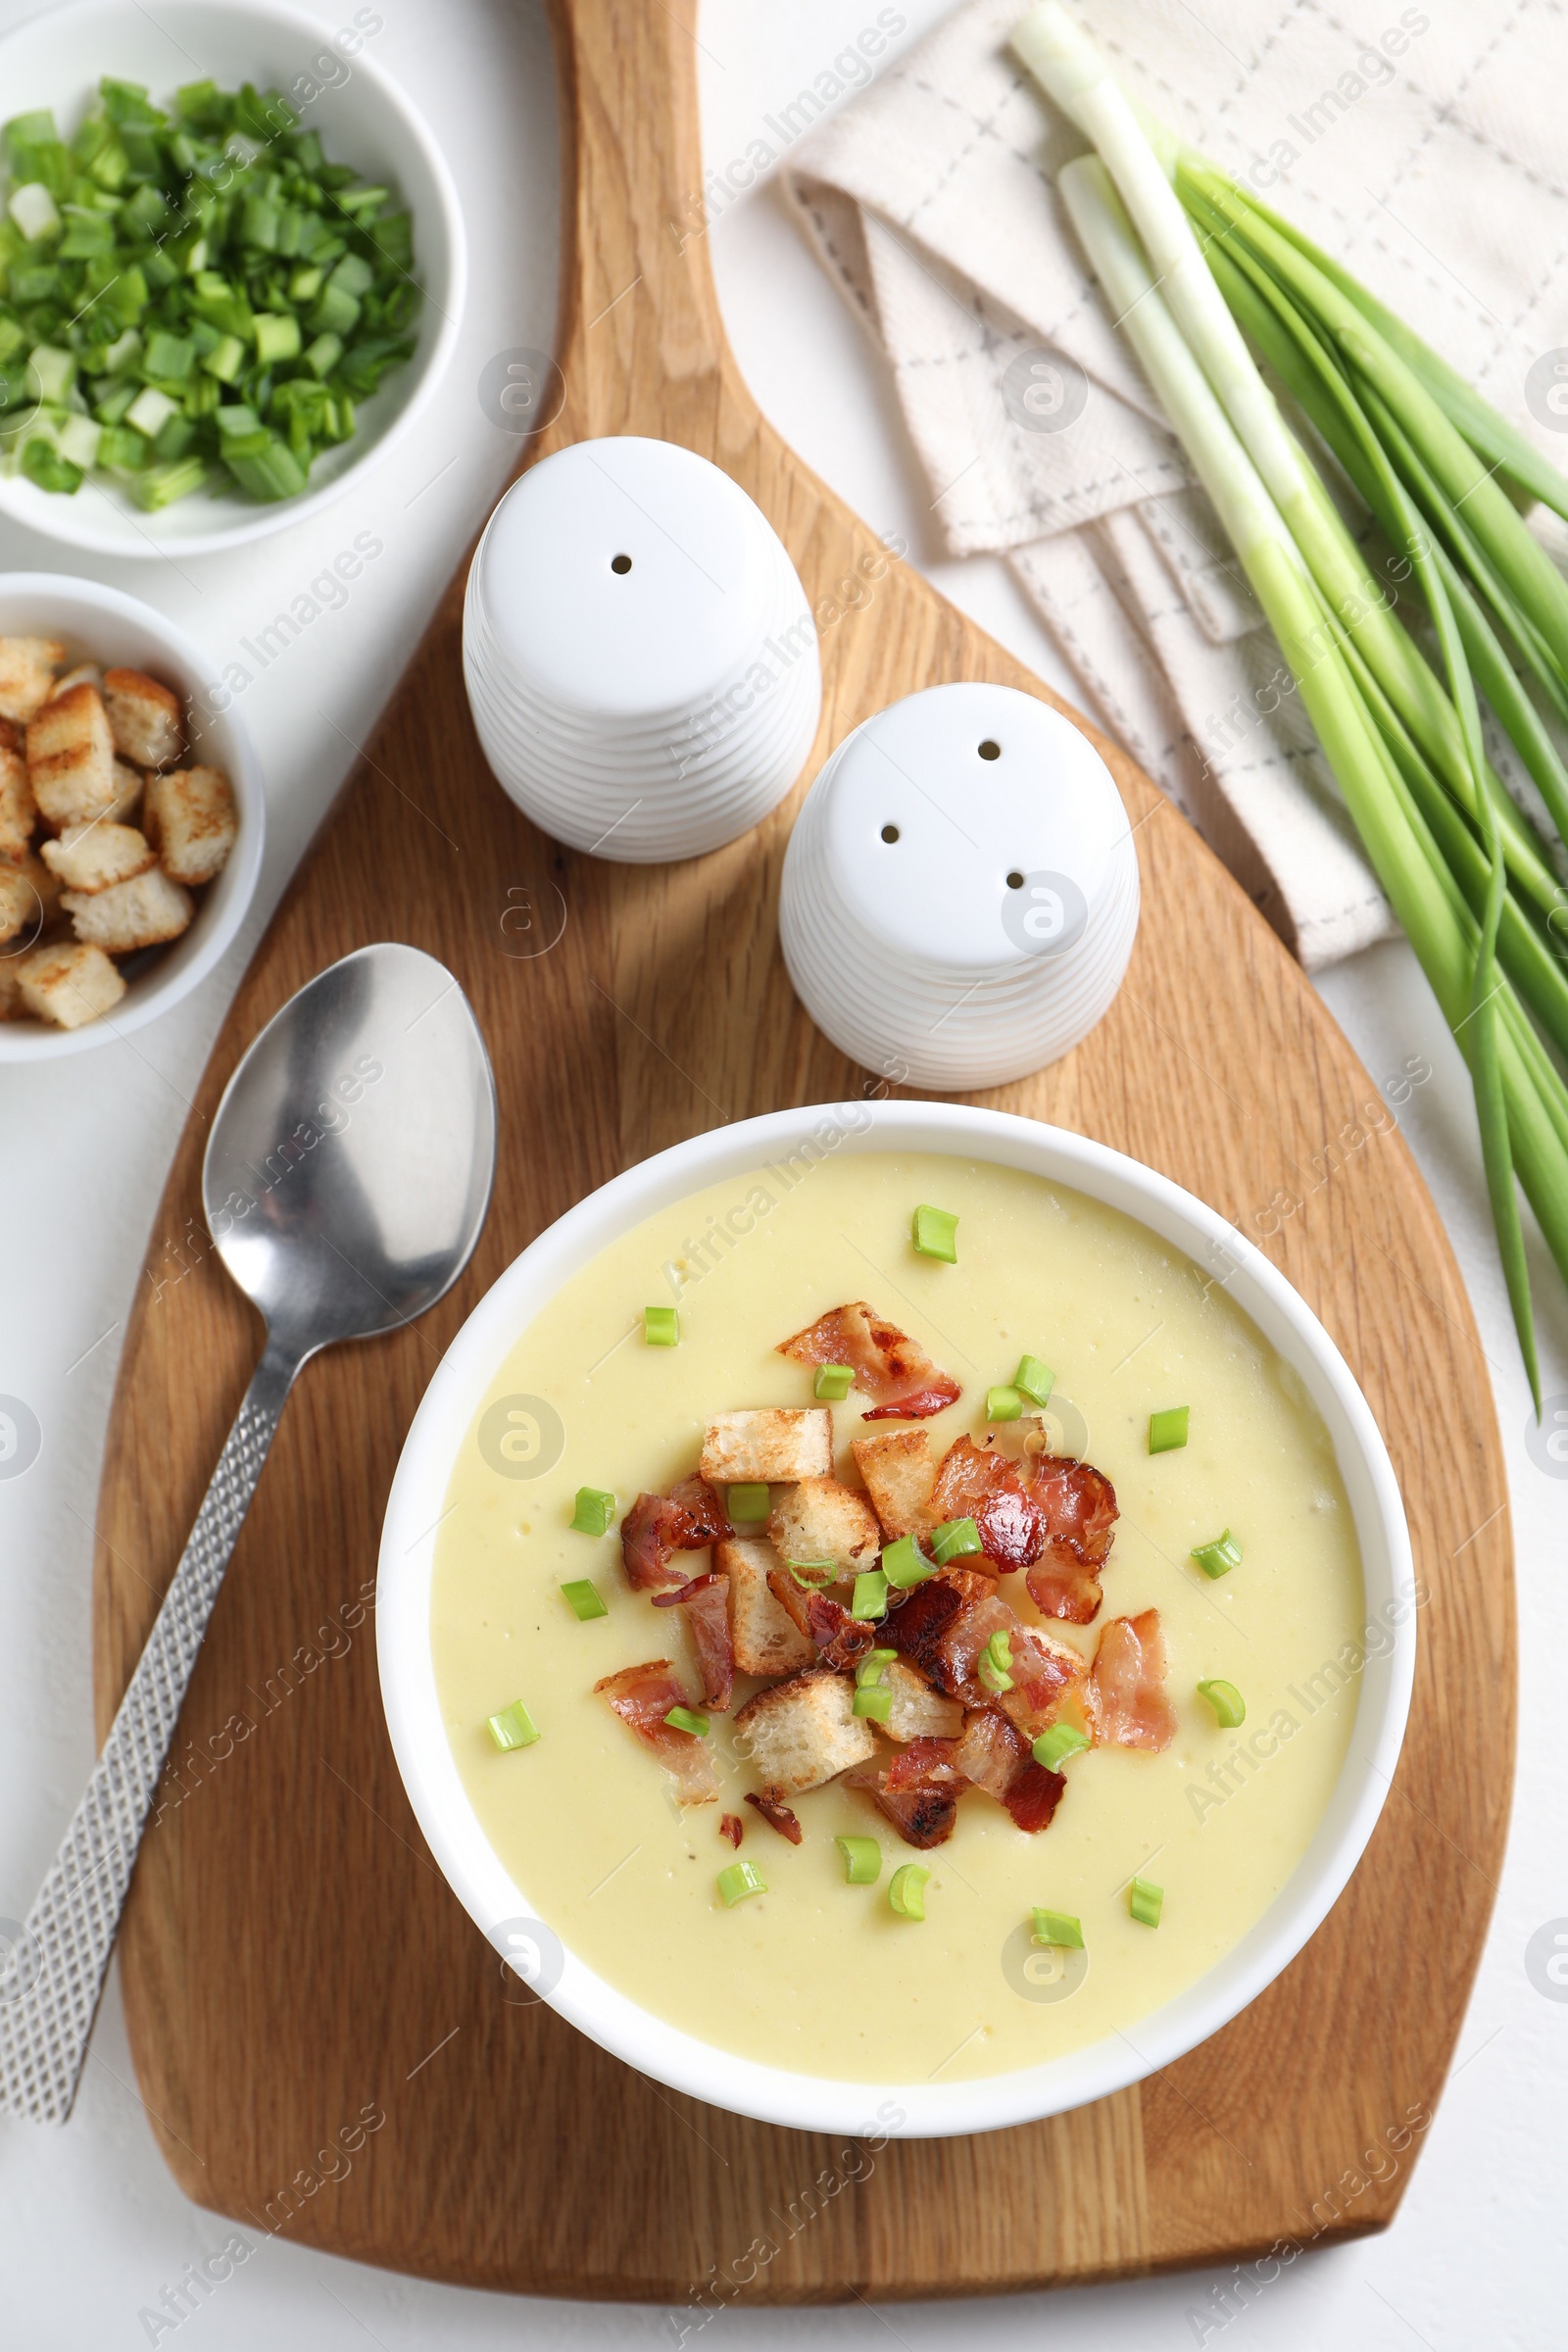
[[486, 1888], [153, 996], [87, 539]]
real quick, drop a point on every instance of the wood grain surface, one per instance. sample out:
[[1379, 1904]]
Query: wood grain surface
[[293, 1966]]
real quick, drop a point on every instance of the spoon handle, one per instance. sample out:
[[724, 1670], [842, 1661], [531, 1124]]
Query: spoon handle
[[52, 1968]]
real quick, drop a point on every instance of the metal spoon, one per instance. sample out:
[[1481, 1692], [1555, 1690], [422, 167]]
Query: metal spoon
[[346, 1181]]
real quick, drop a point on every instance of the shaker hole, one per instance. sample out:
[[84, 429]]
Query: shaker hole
[[990, 750], [1015, 880], [621, 564], [890, 832]]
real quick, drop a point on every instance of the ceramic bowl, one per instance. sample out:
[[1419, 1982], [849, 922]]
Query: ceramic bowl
[[490, 1894]]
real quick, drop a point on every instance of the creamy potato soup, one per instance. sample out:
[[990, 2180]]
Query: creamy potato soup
[[815, 1973]]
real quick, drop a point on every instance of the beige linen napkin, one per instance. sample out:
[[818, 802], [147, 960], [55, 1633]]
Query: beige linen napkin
[[1422, 148]]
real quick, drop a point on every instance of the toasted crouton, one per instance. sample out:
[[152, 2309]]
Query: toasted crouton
[[28, 666], [766, 1641], [139, 913], [67, 983], [779, 1444], [11, 1004], [93, 857], [121, 810], [146, 718], [919, 1712], [806, 1731], [899, 1475], [190, 817], [27, 898], [18, 811], [71, 758], [85, 674], [819, 1520]]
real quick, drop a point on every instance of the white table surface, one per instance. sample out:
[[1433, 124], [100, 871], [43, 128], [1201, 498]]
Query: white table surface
[[91, 2226]]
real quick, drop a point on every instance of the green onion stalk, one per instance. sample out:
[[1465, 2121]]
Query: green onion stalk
[[1200, 276]]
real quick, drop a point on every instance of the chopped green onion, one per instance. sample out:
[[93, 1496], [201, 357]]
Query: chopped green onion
[[150, 411], [936, 1234], [161, 485], [862, 1860], [902, 1563], [873, 1667], [1167, 1430], [1230, 1709], [278, 337], [814, 1575], [1055, 1745], [869, 1599], [954, 1539], [226, 359], [34, 212], [739, 1880], [1003, 1404], [1059, 1927], [513, 1727], [873, 1701], [995, 1662], [748, 1503], [907, 1890], [660, 1327], [833, 1382], [683, 1719], [593, 1511], [54, 370], [582, 1596], [1220, 1557], [1035, 1379], [47, 469], [1146, 1900]]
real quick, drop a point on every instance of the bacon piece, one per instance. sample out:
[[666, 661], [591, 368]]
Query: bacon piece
[[889, 1367], [688, 1518], [733, 1828], [1126, 1700], [641, 1697], [840, 1640], [947, 1622], [918, 1789], [988, 1489], [995, 1755], [706, 1601], [776, 1813], [1078, 1505]]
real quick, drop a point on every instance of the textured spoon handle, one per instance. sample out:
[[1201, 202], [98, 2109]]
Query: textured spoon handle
[[52, 1968]]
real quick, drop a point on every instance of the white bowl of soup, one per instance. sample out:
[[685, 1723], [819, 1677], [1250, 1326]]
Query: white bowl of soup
[[996, 1836]]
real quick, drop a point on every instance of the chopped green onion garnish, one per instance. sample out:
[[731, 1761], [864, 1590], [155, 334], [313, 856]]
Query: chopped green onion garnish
[[907, 1890], [954, 1539], [1035, 1379], [875, 1702], [869, 1599], [682, 1719], [833, 1382], [902, 1563], [739, 1880], [995, 1662], [862, 1860], [1229, 1706], [513, 1727], [1145, 1901], [873, 1667], [1220, 1557], [660, 1327], [812, 1575], [593, 1511], [1003, 1404], [936, 1234], [1057, 1927], [582, 1598], [1054, 1747], [1168, 1431], [749, 1504]]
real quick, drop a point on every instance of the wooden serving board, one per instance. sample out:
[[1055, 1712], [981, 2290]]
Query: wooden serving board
[[291, 1960]]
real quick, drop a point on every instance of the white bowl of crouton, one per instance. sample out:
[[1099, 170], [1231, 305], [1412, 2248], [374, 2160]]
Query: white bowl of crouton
[[540, 1814], [131, 819]]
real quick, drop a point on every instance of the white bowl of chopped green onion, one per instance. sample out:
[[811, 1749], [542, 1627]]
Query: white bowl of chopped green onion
[[425, 1493], [231, 269]]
